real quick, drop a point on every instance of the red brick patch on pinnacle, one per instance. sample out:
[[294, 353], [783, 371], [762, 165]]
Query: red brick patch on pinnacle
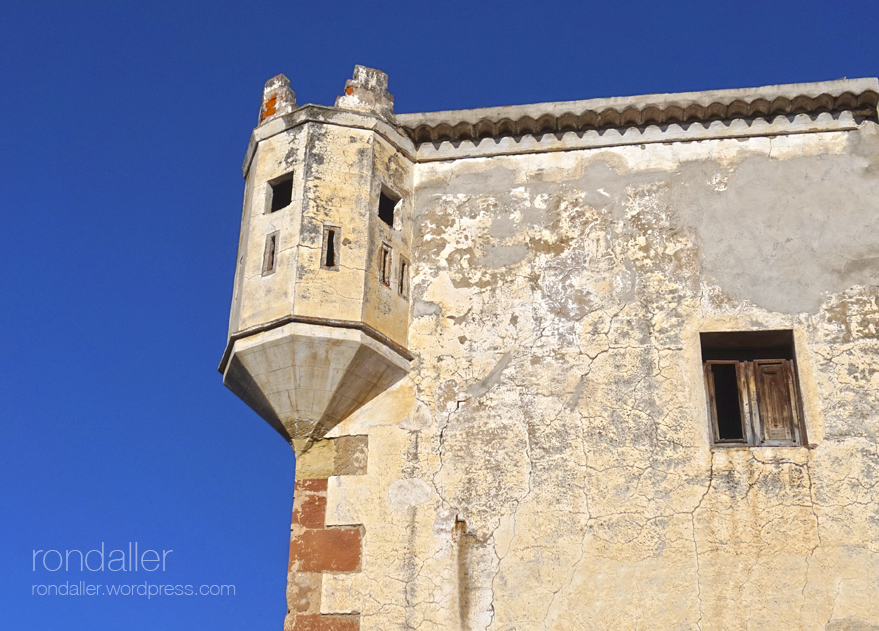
[[327, 623], [270, 106], [328, 550]]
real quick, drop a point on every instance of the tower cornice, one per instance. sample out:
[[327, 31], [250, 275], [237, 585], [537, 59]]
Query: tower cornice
[[324, 115]]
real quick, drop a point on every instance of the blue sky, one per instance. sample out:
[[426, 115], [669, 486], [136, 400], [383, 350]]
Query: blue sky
[[124, 128]]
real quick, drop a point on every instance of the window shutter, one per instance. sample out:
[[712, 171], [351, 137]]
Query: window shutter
[[774, 399], [725, 384]]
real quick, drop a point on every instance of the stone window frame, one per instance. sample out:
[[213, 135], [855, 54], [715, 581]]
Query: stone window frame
[[271, 252], [385, 264], [403, 277]]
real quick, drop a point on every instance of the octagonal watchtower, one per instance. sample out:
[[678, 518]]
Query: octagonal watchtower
[[320, 306]]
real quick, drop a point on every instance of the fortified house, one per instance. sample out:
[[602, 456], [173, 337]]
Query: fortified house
[[588, 365]]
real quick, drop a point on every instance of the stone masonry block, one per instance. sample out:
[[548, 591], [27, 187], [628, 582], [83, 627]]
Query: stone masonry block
[[351, 455], [303, 592], [318, 461], [346, 497], [309, 510], [312, 485], [342, 593], [327, 623], [310, 503], [329, 550]]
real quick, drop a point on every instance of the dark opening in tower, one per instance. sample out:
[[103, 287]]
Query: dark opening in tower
[[281, 192], [330, 252], [386, 206]]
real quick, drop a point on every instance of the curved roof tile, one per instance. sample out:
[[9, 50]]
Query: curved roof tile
[[859, 95]]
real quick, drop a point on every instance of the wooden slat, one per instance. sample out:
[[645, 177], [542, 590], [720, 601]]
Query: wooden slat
[[743, 372], [712, 400]]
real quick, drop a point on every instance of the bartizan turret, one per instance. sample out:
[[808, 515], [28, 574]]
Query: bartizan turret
[[320, 307]]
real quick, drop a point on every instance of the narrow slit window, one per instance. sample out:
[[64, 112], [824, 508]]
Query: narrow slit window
[[403, 284], [280, 192], [385, 265], [270, 255], [329, 258], [387, 204]]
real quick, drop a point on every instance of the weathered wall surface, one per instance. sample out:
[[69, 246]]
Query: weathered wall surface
[[384, 308], [548, 465], [257, 297]]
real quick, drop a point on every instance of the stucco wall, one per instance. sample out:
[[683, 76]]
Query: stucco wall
[[547, 463]]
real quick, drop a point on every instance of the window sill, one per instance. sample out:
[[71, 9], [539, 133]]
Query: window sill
[[739, 446]]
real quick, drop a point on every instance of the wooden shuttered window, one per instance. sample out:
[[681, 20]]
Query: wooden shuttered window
[[753, 402], [776, 401]]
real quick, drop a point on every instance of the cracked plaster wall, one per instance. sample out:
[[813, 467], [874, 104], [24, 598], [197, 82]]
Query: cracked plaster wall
[[258, 298], [547, 463]]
